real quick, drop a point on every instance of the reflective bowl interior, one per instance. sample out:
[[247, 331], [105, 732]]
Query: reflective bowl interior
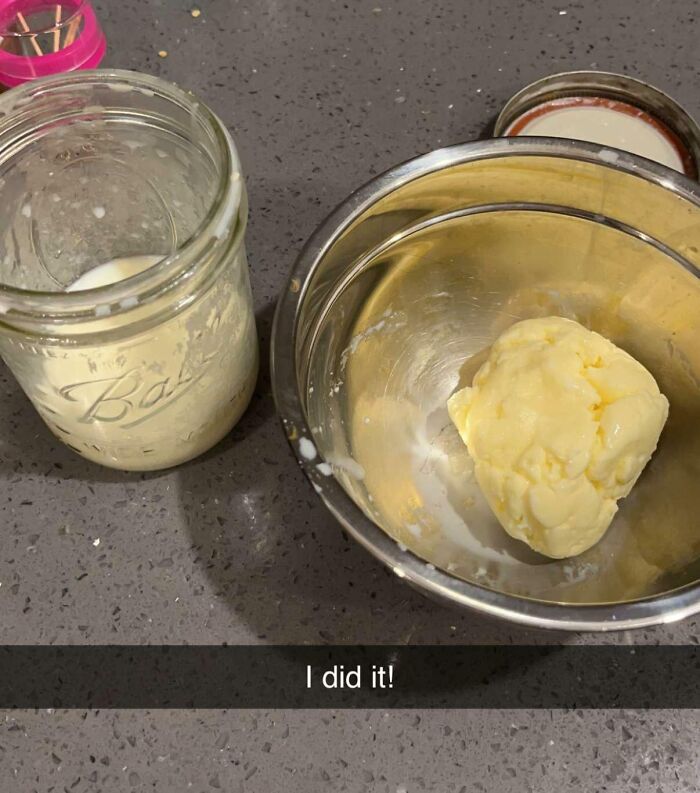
[[403, 307]]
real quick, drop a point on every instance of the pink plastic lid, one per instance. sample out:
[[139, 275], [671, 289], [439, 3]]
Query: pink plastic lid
[[39, 38]]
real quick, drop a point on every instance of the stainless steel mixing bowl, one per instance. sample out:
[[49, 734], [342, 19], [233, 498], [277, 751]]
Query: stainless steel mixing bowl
[[392, 306]]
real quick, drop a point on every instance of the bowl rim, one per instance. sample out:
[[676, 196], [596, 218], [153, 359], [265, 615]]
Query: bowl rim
[[645, 612]]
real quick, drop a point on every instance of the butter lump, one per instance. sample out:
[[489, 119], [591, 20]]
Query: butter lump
[[560, 424]]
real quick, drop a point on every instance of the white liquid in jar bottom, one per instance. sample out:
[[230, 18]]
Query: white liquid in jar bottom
[[113, 271], [608, 127], [151, 398]]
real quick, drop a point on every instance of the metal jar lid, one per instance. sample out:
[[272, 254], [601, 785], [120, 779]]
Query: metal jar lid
[[660, 107]]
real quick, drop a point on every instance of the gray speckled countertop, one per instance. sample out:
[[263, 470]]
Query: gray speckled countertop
[[236, 547]]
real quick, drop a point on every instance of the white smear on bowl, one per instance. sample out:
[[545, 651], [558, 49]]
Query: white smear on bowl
[[414, 528], [608, 156], [386, 321], [347, 464], [307, 449]]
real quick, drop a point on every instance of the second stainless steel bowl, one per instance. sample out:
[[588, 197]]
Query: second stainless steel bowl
[[394, 302]]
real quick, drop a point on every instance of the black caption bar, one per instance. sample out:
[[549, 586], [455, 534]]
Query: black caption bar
[[350, 677]]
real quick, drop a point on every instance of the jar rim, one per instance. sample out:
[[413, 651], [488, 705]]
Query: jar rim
[[84, 305]]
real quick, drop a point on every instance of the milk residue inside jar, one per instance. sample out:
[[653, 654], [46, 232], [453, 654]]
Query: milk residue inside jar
[[111, 272], [132, 364], [177, 386]]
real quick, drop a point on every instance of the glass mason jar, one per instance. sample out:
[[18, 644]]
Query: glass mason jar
[[123, 176]]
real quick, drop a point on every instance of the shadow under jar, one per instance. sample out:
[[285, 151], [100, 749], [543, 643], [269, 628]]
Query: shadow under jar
[[111, 175]]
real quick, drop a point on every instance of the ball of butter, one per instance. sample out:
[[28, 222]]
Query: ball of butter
[[560, 424]]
